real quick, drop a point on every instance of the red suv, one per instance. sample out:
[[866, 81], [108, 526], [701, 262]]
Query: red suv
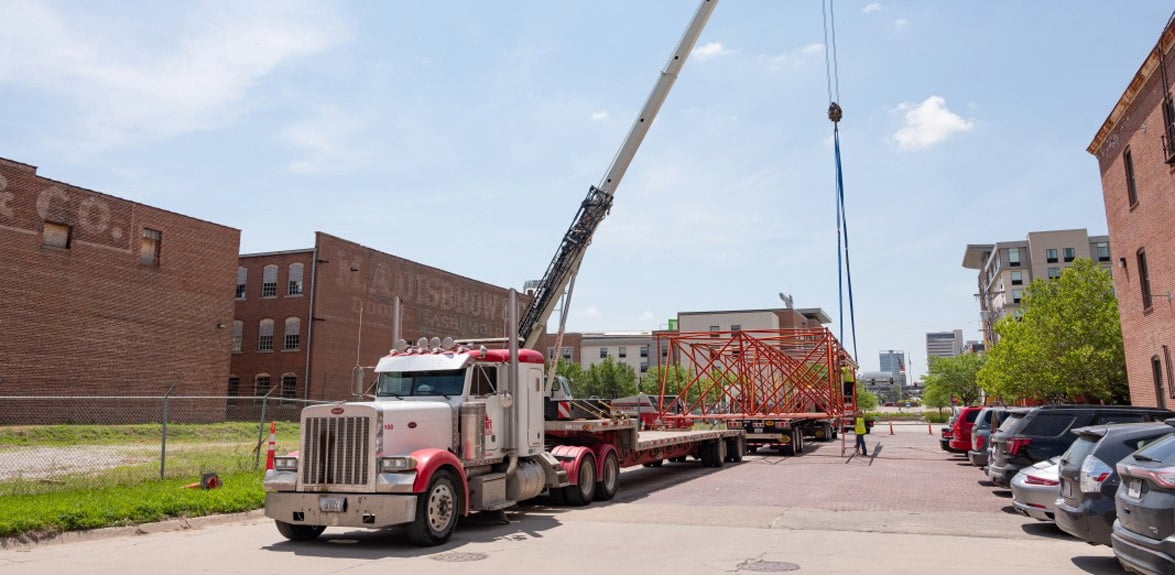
[[961, 432]]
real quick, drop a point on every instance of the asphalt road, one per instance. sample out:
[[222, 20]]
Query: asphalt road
[[910, 509]]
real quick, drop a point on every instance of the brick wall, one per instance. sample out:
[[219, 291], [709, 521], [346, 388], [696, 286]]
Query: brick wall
[[1145, 225], [91, 319]]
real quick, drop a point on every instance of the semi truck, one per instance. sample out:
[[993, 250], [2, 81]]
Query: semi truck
[[462, 426]]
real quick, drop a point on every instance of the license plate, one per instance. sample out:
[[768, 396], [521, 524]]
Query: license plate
[[758, 430], [1134, 488], [332, 504]]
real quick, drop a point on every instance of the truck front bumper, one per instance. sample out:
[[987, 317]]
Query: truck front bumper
[[369, 510]]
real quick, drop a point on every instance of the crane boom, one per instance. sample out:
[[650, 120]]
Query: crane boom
[[598, 202]]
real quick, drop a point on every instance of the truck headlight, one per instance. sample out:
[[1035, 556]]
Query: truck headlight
[[396, 464], [285, 463]]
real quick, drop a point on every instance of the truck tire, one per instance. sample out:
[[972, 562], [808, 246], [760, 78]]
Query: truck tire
[[798, 440], [582, 493], [735, 447], [609, 478], [299, 532], [437, 510], [713, 453]]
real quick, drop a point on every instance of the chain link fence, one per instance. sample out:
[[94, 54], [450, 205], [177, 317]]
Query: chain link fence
[[53, 442]]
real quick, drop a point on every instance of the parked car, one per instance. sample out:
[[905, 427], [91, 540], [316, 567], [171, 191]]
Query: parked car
[[1144, 532], [989, 419], [1038, 433], [1035, 489], [1088, 480], [961, 432], [945, 440]]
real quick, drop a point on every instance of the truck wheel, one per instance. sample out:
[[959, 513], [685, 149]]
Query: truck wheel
[[299, 532], [609, 478], [437, 510], [582, 493], [798, 440], [712, 453], [735, 447]]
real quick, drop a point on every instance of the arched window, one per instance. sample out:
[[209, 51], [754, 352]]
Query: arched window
[[289, 385], [261, 384], [265, 335], [295, 287], [292, 333], [242, 279], [269, 281], [238, 335]]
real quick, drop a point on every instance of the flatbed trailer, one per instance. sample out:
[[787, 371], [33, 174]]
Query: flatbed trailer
[[713, 447]]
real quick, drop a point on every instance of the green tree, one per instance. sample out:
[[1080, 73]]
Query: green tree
[[607, 380], [866, 400], [953, 377], [1066, 344]]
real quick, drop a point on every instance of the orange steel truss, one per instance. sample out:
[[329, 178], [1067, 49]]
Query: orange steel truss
[[781, 374]]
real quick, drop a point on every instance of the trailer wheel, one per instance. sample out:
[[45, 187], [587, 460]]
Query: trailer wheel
[[437, 510], [735, 447], [582, 493], [609, 478], [713, 453], [798, 440], [299, 532]]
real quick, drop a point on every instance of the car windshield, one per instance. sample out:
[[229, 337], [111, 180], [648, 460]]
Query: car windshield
[[407, 383]]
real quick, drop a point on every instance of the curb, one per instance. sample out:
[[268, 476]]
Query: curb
[[28, 540]]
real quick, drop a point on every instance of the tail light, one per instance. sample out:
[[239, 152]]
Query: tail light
[[1037, 480], [1163, 477], [1015, 445], [977, 443], [1094, 472]]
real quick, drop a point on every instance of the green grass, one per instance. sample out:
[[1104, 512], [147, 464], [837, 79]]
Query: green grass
[[109, 474], [108, 505]]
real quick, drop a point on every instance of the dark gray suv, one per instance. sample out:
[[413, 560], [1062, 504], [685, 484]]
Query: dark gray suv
[[1037, 433]]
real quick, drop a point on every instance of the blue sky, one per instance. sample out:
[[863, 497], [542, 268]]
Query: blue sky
[[463, 135]]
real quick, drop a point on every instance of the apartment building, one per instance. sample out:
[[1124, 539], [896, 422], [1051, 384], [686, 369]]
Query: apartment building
[[1007, 268], [1135, 151]]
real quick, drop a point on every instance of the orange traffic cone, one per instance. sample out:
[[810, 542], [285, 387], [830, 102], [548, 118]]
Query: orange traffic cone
[[891, 427], [272, 445]]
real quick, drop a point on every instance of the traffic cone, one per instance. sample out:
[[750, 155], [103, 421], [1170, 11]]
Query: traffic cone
[[272, 445], [891, 427], [929, 431]]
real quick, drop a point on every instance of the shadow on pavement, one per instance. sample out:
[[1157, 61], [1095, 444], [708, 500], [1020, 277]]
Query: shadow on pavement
[[1098, 565], [1046, 529]]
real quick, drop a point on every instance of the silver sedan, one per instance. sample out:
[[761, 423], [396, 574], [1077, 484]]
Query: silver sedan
[[1035, 490]]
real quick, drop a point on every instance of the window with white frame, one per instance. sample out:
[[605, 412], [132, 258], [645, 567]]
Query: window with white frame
[[292, 333], [242, 279], [265, 335], [269, 281], [295, 280], [238, 335]]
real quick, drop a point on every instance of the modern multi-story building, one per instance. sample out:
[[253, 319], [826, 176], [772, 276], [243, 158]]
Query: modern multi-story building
[[105, 296], [1006, 269], [1135, 150], [944, 343], [626, 348], [893, 362], [306, 318]]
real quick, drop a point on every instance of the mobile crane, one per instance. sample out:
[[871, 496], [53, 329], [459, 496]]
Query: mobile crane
[[456, 427]]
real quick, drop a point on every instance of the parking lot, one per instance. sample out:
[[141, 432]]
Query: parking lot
[[911, 509]]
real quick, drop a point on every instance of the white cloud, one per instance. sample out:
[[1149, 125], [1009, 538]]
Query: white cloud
[[794, 58], [710, 50], [901, 23], [872, 7], [600, 116], [928, 123], [327, 142], [124, 88]]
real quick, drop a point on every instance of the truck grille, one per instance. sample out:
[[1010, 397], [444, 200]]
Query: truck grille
[[337, 451]]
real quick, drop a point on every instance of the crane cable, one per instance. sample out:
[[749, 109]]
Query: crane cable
[[844, 271]]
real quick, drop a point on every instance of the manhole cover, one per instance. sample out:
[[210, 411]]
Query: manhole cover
[[768, 566], [456, 557]]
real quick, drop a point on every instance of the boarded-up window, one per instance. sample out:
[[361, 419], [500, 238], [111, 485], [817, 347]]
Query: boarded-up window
[[238, 335], [149, 247], [57, 235]]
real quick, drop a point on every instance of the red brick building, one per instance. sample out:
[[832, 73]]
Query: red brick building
[[104, 296], [306, 318], [1135, 149]]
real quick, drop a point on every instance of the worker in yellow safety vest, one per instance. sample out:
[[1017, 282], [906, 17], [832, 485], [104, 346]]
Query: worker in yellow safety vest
[[860, 429]]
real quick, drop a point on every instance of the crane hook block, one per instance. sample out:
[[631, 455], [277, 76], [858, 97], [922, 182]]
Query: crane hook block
[[834, 112]]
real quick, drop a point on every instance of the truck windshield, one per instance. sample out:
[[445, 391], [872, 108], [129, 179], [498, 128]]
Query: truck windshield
[[402, 383]]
